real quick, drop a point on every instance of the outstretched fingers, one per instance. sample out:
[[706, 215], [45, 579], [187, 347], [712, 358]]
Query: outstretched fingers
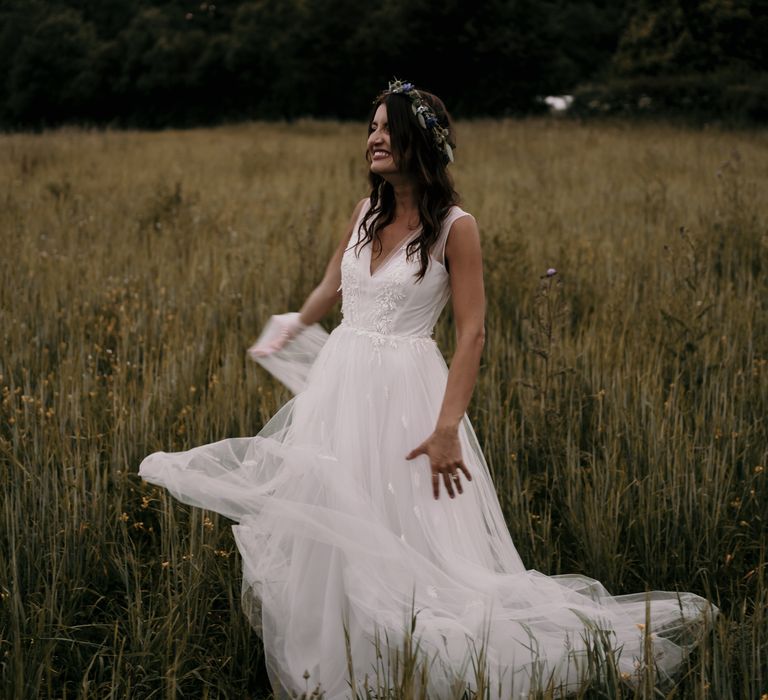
[[457, 480], [448, 484], [450, 471]]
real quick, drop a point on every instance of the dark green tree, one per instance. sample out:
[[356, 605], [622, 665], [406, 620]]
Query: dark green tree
[[54, 76], [263, 56], [159, 53], [667, 37], [586, 36]]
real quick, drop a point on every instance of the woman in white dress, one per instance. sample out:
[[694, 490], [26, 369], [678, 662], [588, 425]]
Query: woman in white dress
[[366, 499]]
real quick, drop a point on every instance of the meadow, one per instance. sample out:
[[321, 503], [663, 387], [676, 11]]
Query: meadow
[[622, 402]]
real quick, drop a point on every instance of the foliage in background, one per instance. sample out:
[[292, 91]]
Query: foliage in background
[[699, 61], [621, 403], [673, 37], [720, 97], [157, 63]]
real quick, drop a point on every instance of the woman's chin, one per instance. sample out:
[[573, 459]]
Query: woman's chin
[[382, 171]]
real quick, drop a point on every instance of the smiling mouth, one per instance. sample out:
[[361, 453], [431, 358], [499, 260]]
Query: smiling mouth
[[380, 155]]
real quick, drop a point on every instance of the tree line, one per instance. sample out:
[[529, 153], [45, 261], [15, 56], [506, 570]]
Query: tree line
[[153, 63]]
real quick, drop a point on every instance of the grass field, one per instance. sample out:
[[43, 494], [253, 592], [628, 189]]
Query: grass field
[[622, 403]]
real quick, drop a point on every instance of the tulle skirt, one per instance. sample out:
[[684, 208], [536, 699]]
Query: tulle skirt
[[341, 538]]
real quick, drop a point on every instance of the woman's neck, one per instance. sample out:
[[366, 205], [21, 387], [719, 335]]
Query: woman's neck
[[406, 205]]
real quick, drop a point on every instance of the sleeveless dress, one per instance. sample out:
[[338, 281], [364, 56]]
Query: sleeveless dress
[[339, 534]]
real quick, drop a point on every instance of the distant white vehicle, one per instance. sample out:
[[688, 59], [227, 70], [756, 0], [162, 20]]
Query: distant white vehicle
[[558, 103]]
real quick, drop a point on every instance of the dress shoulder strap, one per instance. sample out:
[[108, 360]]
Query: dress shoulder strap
[[356, 230], [455, 212], [356, 234]]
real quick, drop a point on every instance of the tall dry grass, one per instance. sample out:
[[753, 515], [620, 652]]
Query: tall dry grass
[[622, 402]]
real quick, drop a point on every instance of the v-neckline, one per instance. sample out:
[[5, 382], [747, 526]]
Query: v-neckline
[[391, 253]]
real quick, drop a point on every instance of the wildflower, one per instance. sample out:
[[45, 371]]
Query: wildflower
[[759, 470], [124, 517], [551, 272]]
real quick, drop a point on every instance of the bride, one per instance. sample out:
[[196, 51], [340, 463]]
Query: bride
[[365, 505]]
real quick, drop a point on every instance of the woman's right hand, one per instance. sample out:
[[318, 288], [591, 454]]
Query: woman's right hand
[[287, 327]]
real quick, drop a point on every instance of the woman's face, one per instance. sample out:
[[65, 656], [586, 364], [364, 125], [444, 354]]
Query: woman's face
[[379, 145]]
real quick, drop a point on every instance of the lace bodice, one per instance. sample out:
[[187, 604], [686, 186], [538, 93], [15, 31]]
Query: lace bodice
[[391, 303]]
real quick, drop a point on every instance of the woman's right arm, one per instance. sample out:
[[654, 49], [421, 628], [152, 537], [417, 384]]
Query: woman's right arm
[[285, 327], [324, 297]]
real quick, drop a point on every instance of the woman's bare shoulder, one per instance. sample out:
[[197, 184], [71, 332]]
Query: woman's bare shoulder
[[463, 238]]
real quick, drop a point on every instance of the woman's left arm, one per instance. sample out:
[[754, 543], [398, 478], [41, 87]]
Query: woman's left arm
[[464, 257]]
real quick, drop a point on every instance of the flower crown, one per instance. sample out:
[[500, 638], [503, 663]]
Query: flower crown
[[424, 113]]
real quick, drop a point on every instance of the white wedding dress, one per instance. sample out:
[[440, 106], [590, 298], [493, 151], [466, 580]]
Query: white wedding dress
[[337, 530]]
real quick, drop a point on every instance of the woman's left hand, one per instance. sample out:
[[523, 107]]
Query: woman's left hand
[[444, 452]]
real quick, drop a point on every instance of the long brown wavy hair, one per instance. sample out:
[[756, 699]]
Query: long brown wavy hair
[[415, 153]]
